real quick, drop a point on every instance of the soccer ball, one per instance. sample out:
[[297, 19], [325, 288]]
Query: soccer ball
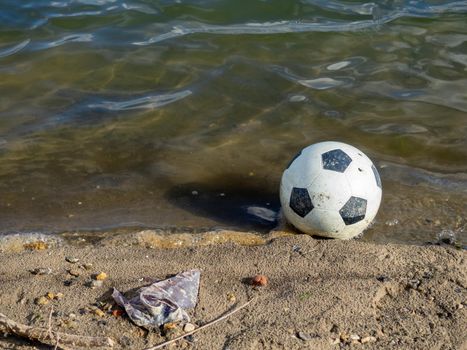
[[331, 189]]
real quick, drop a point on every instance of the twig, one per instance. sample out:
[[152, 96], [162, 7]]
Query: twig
[[223, 317], [49, 337]]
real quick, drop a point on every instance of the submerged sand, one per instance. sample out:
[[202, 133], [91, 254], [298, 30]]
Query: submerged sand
[[322, 294]]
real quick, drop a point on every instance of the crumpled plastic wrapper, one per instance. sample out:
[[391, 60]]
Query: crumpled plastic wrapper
[[163, 301]]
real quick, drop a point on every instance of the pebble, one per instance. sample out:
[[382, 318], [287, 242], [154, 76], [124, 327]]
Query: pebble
[[41, 301], [382, 278], [99, 312], [50, 295], [101, 276], [231, 297], [59, 295], [368, 339], [71, 260], [42, 271], [117, 312], [414, 284], [189, 327], [95, 284], [87, 266], [259, 280], [74, 272], [354, 337], [304, 336], [68, 283]]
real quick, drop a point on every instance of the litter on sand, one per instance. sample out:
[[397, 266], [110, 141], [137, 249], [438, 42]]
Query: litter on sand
[[163, 301]]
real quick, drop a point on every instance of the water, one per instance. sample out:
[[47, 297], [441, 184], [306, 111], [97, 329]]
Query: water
[[183, 114]]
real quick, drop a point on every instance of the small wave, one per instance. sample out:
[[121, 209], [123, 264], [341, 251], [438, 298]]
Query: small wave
[[267, 28], [146, 102], [12, 50], [414, 176], [380, 16], [318, 83], [66, 39]]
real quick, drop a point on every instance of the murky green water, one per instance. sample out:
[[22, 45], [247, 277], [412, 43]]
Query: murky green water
[[183, 114]]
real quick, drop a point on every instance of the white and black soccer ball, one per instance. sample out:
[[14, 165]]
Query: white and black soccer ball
[[331, 189]]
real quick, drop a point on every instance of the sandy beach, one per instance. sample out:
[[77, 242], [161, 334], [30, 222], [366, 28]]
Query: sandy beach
[[321, 294]]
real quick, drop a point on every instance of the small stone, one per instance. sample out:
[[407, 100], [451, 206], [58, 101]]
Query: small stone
[[414, 284], [50, 295], [231, 297], [304, 336], [72, 315], [99, 312], [42, 271], [101, 276], [354, 337], [59, 296], [368, 339], [87, 266], [74, 272], [259, 280], [95, 284], [41, 301], [68, 283], [189, 327], [117, 312], [382, 278], [71, 260]]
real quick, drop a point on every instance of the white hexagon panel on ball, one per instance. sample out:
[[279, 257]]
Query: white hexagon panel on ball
[[331, 189]]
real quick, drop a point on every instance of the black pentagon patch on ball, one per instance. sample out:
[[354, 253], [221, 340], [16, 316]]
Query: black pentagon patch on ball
[[300, 201], [295, 157], [336, 160], [378, 179], [354, 210]]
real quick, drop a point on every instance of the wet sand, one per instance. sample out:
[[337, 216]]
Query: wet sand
[[321, 294]]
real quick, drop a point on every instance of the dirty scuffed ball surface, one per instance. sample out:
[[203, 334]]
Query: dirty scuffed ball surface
[[331, 189]]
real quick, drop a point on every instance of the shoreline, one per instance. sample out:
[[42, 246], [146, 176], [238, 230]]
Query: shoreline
[[321, 294]]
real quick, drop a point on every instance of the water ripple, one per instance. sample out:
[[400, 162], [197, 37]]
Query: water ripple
[[65, 40], [319, 83], [146, 102], [12, 50], [380, 17], [267, 28]]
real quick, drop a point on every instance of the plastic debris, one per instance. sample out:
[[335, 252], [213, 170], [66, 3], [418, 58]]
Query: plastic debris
[[163, 301]]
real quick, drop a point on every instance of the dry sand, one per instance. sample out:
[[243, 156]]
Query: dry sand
[[389, 296]]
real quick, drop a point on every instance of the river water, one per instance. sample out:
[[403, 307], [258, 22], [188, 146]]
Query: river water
[[182, 115]]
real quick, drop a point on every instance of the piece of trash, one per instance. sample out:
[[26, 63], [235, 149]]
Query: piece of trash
[[163, 301]]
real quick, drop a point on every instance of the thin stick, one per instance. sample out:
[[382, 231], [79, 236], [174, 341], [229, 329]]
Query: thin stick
[[49, 337], [161, 345]]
